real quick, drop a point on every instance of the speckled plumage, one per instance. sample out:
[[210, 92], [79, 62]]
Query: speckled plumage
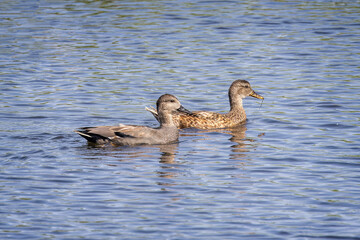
[[238, 90], [122, 134]]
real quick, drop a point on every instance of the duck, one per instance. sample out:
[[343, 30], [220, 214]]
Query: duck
[[238, 90], [167, 106]]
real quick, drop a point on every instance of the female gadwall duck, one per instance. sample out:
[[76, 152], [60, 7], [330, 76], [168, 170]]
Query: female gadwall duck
[[122, 134], [238, 90]]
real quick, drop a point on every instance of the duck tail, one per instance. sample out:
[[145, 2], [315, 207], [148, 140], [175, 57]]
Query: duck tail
[[91, 137], [153, 112]]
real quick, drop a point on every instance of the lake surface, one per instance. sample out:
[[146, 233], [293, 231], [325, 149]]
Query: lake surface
[[291, 172]]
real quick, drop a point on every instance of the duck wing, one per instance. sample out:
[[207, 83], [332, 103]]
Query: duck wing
[[97, 135], [131, 131], [206, 115], [105, 134], [202, 120]]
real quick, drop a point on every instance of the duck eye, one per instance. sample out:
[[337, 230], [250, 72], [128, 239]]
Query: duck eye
[[172, 100]]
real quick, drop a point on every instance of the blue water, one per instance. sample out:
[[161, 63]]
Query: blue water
[[291, 172]]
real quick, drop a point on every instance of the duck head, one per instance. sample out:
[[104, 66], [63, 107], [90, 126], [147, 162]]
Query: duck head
[[243, 89], [169, 103]]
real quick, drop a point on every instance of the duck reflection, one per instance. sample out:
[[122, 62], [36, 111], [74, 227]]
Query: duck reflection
[[165, 154], [168, 153], [168, 168], [242, 145]]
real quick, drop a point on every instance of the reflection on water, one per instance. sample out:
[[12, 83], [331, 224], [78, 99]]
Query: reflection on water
[[168, 153], [168, 165], [237, 135], [164, 154]]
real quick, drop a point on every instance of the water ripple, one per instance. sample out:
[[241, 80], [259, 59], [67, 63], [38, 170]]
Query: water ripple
[[293, 164]]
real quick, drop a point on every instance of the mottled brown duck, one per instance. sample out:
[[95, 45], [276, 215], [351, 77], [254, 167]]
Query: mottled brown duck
[[238, 90]]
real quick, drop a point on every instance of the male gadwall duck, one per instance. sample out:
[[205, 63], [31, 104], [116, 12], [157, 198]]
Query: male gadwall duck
[[122, 134], [238, 90]]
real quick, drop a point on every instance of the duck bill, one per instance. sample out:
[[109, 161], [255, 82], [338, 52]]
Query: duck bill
[[184, 110], [255, 95]]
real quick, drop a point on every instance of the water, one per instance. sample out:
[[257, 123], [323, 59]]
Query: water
[[291, 172]]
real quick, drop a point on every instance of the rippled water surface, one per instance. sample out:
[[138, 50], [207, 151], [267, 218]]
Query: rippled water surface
[[291, 172]]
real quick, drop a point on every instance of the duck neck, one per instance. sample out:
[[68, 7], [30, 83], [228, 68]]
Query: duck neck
[[166, 120], [236, 107]]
